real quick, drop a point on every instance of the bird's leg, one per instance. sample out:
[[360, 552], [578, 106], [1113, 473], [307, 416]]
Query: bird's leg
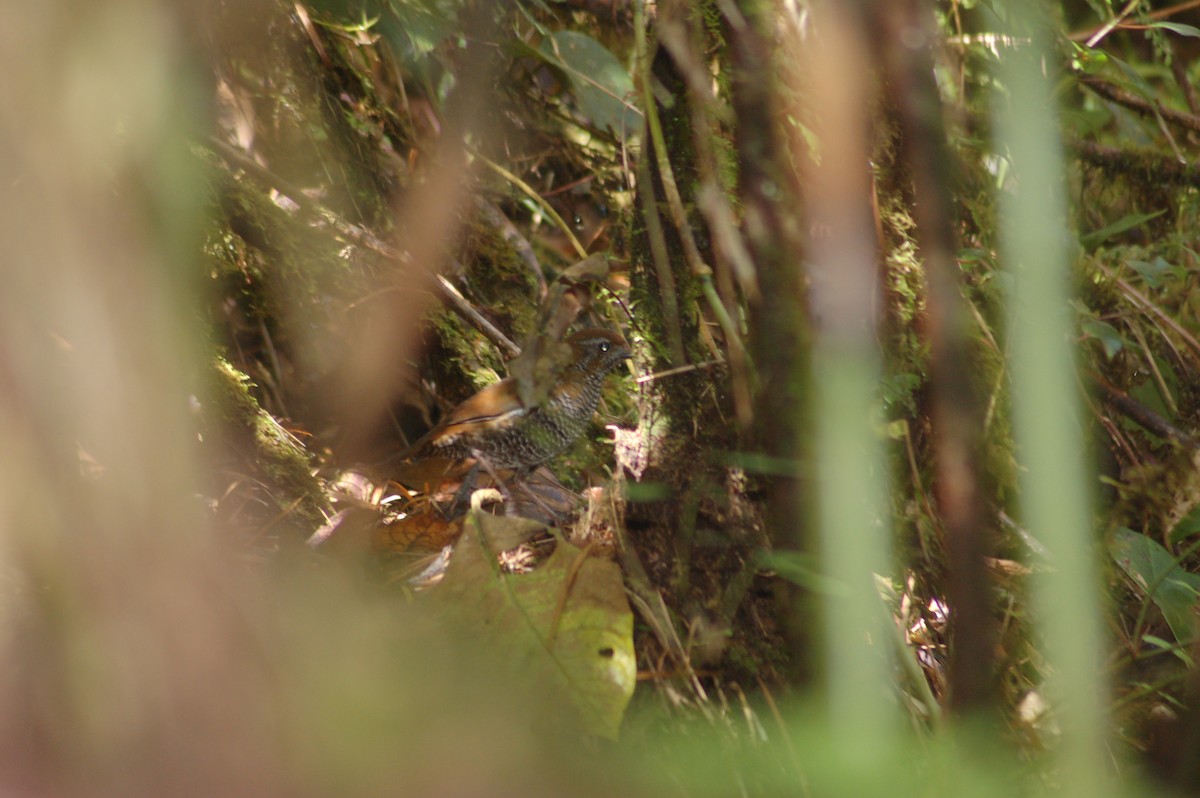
[[482, 462], [462, 496], [520, 476]]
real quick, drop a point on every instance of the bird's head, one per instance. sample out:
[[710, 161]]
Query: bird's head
[[597, 351]]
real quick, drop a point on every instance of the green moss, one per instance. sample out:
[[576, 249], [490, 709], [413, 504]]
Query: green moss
[[282, 461], [1154, 497], [907, 363], [498, 279]]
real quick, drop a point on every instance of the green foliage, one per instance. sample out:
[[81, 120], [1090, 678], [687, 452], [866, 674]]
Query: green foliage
[[358, 122], [284, 463], [602, 86], [1158, 575]]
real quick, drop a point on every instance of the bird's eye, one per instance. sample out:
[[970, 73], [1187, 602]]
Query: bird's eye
[[605, 346]]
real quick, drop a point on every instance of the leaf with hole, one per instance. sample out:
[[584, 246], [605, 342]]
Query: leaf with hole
[[566, 626]]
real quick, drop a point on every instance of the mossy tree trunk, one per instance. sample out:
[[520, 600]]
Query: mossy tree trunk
[[772, 209], [699, 531]]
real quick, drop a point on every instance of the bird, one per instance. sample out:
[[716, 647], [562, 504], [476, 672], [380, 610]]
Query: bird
[[499, 431]]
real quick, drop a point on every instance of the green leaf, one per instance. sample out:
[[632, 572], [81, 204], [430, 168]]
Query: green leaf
[[1151, 272], [1188, 525], [1088, 60], [801, 569], [647, 491], [600, 83], [1158, 575], [758, 463], [1173, 648], [968, 258], [1106, 334], [1176, 27], [565, 627], [1087, 121], [1148, 394], [416, 28], [1095, 239], [1133, 79]]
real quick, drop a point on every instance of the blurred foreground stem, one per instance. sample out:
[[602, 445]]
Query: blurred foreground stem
[[1054, 489]]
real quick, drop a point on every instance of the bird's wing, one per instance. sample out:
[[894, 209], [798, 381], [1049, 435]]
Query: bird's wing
[[493, 403]]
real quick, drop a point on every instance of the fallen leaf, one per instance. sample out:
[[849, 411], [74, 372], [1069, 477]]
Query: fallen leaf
[[566, 625]]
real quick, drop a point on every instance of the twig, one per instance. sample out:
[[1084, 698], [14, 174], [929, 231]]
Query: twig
[[1162, 13], [666, 175], [307, 23], [1142, 415], [565, 187], [919, 487], [277, 370], [785, 734], [1154, 369], [1108, 27], [711, 200], [658, 375], [1141, 299], [650, 215], [533, 195], [459, 304], [650, 603], [732, 257], [1182, 81], [668, 295]]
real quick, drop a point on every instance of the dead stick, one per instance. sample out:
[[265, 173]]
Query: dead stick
[[1140, 414], [1116, 94]]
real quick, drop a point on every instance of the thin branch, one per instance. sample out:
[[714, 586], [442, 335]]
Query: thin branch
[[658, 375], [1140, 414], [662, 261], [1107, 28], [1140, 299], [676, 33], [1137, 162], [957, 409], [1114, 93], [537, 198], [666, 175], [1162, 13]]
